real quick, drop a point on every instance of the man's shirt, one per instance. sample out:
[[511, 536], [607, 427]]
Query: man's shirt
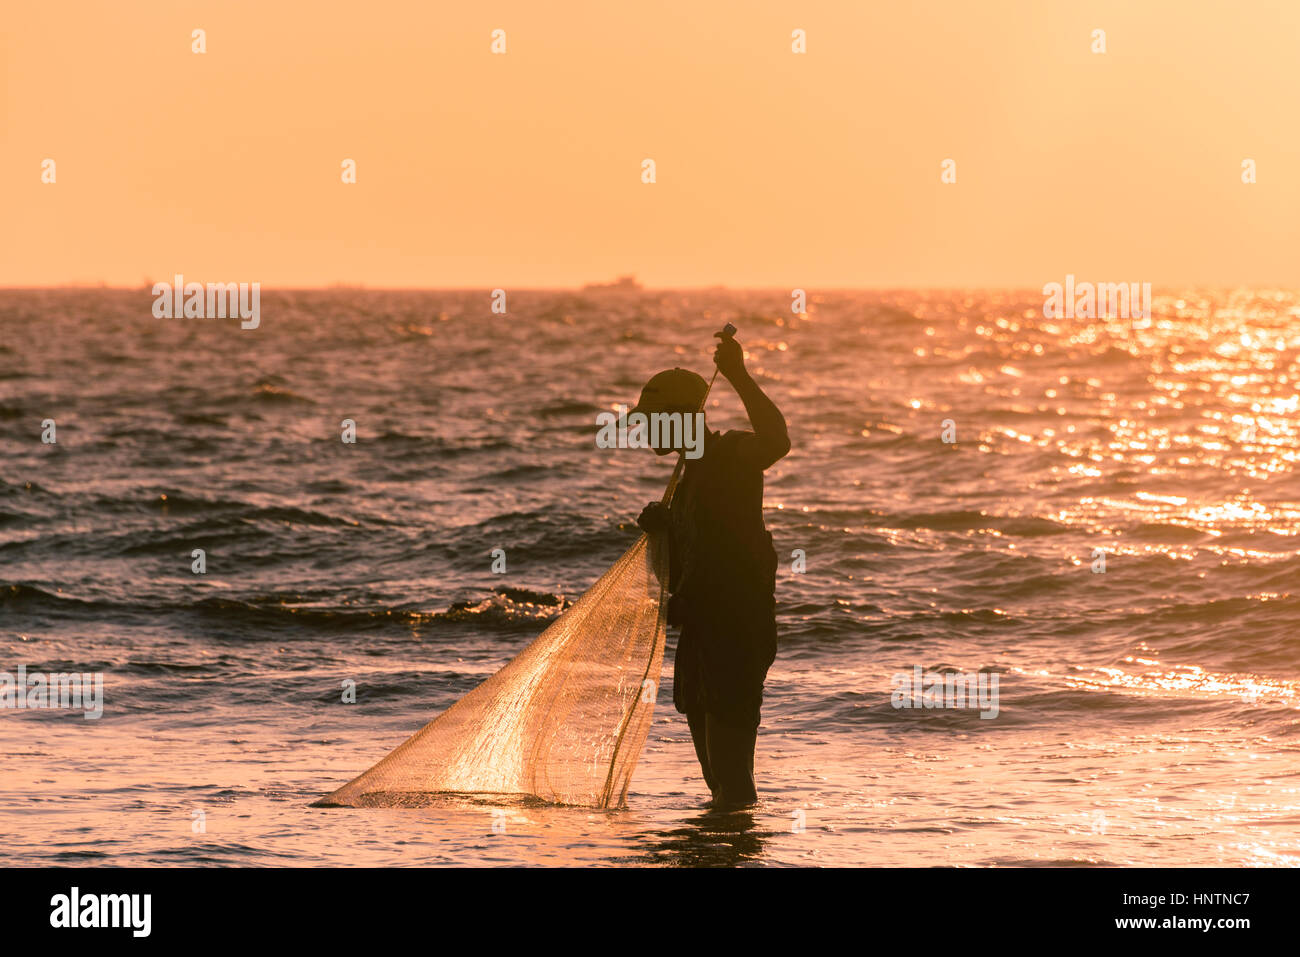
[[722, 564]]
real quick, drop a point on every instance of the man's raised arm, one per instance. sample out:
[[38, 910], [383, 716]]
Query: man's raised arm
[[773, 439]]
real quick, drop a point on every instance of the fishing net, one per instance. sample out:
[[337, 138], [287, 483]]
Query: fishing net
[[564, 721]]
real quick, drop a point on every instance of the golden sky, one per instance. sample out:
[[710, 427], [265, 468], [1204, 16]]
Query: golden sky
[[774, 169]]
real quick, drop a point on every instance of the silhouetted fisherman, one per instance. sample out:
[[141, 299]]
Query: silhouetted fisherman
[[722, 572]]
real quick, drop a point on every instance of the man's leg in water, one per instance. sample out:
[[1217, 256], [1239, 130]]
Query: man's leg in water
[[696, 722], [731, 760]]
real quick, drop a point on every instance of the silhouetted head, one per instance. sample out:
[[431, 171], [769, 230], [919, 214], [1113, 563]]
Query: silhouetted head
[[673, 390]]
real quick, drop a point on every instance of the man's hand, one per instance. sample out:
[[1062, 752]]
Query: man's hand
[[653, 518], [771, 438], [730, 358]]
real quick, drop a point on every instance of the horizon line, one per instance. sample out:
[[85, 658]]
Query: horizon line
[[596, 287]]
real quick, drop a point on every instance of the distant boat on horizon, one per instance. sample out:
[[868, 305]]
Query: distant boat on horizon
[[621, 284]]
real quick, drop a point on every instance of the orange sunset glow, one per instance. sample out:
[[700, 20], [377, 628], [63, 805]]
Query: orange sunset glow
[[773, 169]]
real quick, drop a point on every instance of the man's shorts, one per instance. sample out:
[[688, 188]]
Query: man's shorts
[[721, 671]]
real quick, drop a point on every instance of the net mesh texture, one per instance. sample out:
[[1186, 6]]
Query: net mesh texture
[[564, 721]]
